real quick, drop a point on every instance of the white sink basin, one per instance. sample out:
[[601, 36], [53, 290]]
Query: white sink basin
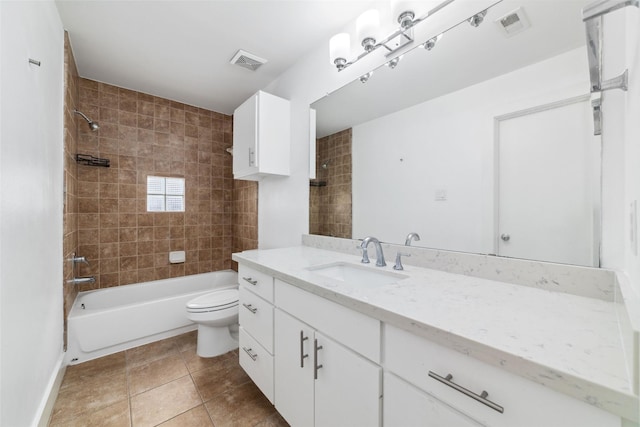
[[355, 274]]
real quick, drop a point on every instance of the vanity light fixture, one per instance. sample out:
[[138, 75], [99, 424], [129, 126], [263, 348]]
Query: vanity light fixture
[[394, 62], [365, 77], [430, 44], [339, 47], [477, 19], [368, 27]]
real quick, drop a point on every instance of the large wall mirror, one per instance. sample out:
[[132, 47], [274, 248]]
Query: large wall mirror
[[480, 143]]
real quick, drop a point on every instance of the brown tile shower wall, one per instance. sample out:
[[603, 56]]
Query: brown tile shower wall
[[145, 135], [245, 216], [70, 214], [330, 203]]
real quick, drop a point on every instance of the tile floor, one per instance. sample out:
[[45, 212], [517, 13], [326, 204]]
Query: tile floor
[[163, 383]]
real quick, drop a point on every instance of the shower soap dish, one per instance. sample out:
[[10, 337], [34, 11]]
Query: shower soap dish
[[86, 159]]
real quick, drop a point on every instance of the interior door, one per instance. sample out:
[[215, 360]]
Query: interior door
[[549, 184]]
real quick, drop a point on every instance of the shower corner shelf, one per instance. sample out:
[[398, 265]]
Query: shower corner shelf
[[317, 183], [86, 159]]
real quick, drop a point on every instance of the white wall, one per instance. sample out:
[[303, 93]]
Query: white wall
[[447, 144], [621, 142], [632, 138], [31, 189], [283, 204]]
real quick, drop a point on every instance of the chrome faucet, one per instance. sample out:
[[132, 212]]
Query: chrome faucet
[[82, 280], [379, 254], [411, 236]]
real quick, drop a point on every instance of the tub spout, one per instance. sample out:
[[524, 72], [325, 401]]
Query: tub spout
[[82, 280]]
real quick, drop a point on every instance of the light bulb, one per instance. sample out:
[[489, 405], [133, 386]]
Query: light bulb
[[339, 46], [367, 27]]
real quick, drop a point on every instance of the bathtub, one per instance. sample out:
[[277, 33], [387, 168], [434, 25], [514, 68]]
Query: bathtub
[[107, 321]]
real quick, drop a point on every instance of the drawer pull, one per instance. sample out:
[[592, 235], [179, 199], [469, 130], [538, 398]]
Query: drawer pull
[[250, 307], [302, 355], [316, 347], [250, 280], [251, 354], [482, 398]]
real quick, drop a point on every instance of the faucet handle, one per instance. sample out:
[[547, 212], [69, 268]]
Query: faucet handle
[[365, 254], [78, 259], [399, 256]]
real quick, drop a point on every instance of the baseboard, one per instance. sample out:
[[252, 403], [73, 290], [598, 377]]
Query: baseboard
[[49, 399]]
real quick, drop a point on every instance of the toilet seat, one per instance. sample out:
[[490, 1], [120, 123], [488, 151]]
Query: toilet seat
[[214, 301]]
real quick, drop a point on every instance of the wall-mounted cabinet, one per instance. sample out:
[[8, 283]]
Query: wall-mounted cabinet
[[261, 137]]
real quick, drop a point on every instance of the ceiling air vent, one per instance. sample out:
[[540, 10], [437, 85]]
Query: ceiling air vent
[[513, 22], [247, 60]]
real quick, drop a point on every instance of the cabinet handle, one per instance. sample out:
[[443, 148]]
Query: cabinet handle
[[302, 355], [316, 347], [251, 354], [250, 307], [252, 160], [250, 280], [482, 397]]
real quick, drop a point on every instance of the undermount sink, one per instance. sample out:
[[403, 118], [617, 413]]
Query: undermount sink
[[355, 274]]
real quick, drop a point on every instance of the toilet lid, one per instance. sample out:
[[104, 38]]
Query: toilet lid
[[221, 299]]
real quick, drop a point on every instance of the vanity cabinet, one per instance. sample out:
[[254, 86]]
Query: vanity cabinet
[[407, 405], [422, 368], [256, 327], [319, 381], [261, 137]]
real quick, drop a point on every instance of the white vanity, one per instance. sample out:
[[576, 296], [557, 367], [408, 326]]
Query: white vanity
[[427, 347]]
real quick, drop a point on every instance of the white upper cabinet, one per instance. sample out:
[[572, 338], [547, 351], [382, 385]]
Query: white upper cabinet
[[261, 137]]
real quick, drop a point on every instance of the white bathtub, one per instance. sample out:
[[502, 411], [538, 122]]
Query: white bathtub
[[106, 321]]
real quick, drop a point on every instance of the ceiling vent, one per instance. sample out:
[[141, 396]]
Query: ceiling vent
[[247, 60], [513, 22]]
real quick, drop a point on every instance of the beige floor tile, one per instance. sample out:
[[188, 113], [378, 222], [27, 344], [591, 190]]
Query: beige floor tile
[[116, 415], [163, 403], [107, 365], [148, 353], [244, 405], [186, 341], [196, 363], [94, 394], [219, 379], [156, 373], [197, 417], [274, 420]]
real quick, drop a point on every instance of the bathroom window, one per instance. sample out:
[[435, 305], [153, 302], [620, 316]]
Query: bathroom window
[[165, 194]]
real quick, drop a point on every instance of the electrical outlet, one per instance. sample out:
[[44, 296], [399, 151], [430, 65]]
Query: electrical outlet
[[441, 195]]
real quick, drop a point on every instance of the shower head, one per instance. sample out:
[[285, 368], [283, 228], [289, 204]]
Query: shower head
[[92, 125], [326, 164]]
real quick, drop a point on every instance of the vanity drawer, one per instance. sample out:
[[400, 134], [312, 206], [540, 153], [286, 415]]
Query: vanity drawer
[[256, 317], [355, 330], [524, 403], [259, 282], [257, 363]]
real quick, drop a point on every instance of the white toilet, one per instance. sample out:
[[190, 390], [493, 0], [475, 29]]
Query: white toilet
[[216, 313]]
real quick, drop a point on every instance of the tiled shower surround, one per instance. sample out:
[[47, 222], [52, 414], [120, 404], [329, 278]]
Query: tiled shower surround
[[145, 135], [330, 203]]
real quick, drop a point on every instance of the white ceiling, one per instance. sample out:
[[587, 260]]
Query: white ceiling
[[180, 49]]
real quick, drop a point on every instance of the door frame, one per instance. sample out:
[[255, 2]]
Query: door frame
[[597, 206]]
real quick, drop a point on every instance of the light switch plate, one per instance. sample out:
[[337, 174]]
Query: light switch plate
[[441, 195]]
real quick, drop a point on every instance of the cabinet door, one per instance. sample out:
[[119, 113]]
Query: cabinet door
[[293, 369], [245, 137], [347, 391], [407, 406]]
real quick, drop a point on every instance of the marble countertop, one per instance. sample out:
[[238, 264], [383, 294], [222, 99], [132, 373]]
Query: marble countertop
[[568, 343]]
